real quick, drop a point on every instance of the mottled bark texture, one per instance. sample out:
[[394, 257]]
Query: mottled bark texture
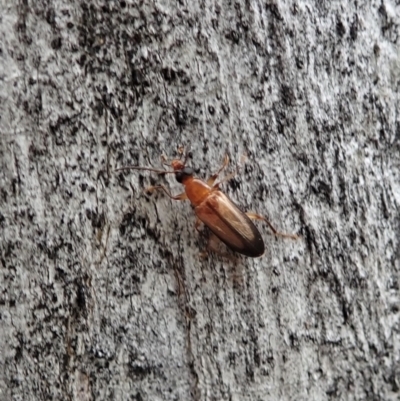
[[103, 293]]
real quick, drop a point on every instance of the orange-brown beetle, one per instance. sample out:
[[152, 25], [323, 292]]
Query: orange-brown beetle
[[232, 226]]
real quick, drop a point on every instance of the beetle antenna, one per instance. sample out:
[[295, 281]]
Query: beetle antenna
[[145, 169]]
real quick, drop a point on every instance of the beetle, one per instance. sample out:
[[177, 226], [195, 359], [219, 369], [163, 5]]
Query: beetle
[[212, 207]]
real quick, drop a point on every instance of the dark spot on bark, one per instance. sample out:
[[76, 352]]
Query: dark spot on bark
[[181, 116], [51, 17], [299, 63], [233, 36], [225, 108], [288, 96], [294, 341], [129, 220], [340, 28], [322, 190], [168, 74], [56, 43], [98, 220], [274, 10], [137, 77], [354, 29]]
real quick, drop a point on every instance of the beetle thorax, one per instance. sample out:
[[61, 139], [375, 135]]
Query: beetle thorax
[[196, 190]]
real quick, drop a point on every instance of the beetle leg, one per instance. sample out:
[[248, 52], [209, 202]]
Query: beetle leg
[[197, 224], [212, 179], [181, 196], [215, 245], [227, 178], [255, 216]]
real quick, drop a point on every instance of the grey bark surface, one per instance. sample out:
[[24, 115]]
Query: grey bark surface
[[103, 292]]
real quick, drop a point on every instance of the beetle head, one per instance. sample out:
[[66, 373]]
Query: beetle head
[[181, 175], [177, 165]]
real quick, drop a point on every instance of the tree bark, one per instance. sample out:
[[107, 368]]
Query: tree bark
[[104, 293]]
